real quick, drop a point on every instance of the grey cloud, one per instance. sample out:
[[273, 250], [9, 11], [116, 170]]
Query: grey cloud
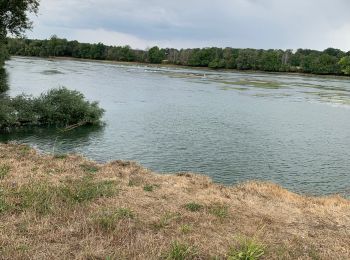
[[237, 23]]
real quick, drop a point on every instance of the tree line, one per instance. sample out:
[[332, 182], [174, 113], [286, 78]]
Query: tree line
[[330, 61]]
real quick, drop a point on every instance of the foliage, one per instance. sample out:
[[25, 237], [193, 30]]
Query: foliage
[[329, 61], [3, 80], [14, 16], [345, 65], [57, 107], [14, 19], [156, 55]]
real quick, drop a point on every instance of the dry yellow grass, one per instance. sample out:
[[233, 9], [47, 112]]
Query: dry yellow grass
[[67, 207]]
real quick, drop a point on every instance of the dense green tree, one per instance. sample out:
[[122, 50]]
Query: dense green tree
[[156, 55], [345, 65]]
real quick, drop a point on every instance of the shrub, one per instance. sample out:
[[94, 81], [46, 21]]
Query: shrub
[[58, 107]]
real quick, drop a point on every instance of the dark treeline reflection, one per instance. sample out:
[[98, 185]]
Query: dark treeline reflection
[[3, 81], [330, 61], [51, 139]]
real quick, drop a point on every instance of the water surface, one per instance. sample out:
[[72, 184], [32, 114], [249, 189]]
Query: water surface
[[290, 129]]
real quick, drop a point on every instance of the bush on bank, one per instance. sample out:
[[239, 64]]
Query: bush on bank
[[58, 107]]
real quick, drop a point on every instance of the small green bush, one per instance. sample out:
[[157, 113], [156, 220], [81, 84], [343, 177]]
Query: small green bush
[[58, 107]]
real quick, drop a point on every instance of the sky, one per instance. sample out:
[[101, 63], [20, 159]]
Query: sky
[[261, 24]]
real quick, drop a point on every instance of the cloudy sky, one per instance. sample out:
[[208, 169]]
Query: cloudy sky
[[267, 24]]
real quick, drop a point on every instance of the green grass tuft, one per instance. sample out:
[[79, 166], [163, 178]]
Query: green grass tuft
[[60, 156], [148, 188], [89, 168], [4, 170], [84, 190], [246, 249], [108, 220], [193, 206], [181, 251], [218, 210]]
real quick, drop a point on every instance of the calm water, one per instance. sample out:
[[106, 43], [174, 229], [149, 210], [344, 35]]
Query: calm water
[[293, 130]]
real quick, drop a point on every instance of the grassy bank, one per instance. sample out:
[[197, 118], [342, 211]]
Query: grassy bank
[[66, 207]]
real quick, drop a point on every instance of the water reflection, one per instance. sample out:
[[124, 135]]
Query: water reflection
[[54, 139], [3, 81]]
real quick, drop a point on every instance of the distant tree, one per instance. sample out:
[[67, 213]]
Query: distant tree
[[345, 65], [156, 55]]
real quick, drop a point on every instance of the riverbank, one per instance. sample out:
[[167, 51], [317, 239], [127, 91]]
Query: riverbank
[[205, 69], [66, 207]]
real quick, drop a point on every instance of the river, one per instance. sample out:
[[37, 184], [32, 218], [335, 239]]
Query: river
[[233, 126]]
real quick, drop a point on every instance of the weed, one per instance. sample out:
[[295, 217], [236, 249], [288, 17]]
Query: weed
[[165, 220], [193, 206], [148, 188], [218, 210], [3, 204], [89, 168], [35, 196], [135, 181], [246, 249], [60, 156], [181, 251], [86, 190], [4, 170], [108, 220], [25, 149], [185, 229]]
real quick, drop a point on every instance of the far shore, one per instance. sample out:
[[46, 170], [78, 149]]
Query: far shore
[[167, 65]]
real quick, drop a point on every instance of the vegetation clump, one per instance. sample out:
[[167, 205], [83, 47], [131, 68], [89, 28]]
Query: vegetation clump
[[246, 249], [181, 251], [58, 107]]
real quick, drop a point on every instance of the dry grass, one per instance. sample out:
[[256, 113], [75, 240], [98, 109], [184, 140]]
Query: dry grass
[[66, 207]]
